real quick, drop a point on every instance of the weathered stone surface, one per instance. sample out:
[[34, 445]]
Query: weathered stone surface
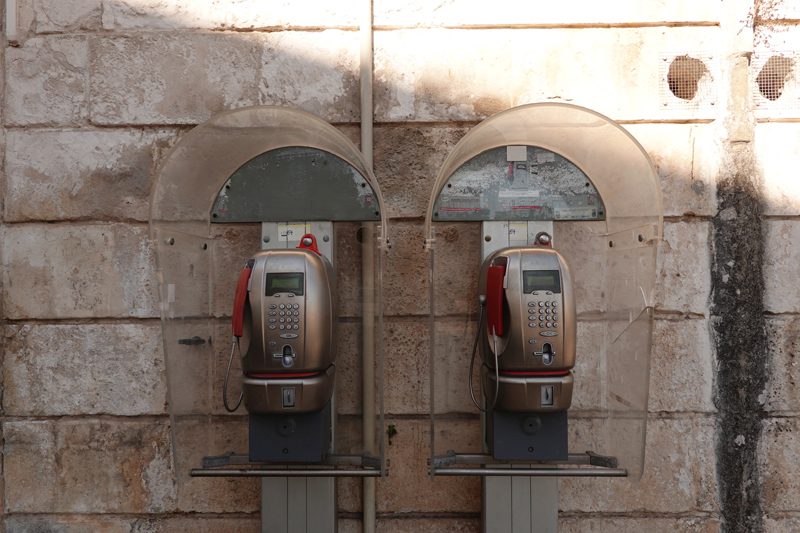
[[579, 524], [88, 467], [781, 524], [123, 15], [686, 159], [507, 12], [407, 270], [590, 368], [440, 75], [408, 488], [407, 160], [778, 450], [316, 72], [235, 244], [681, 367], [56, 370], [172, 79], [78, 175], [777, 149], [782, 266], [678, 473], [117, 524], [683, 280], [77, 271], [783, 394], [47, 82], [54, 16]]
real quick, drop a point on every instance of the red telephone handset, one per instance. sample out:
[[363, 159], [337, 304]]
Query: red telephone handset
[[494, 298], [240, 299]]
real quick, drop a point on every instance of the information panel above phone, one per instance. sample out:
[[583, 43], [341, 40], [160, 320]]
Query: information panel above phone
[[519, 183]]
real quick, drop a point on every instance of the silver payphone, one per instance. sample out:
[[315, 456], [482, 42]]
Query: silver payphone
[[568, 208]]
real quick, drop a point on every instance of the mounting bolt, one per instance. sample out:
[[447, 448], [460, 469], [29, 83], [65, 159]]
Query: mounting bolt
[[307, 241], [326, 238], [544, 238], [266, 238]]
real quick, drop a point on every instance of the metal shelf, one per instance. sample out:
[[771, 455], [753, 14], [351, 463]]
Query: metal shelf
[[218, 466], [600, 466]]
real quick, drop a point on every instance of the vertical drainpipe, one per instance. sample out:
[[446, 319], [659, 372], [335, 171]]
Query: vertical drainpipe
[[368, 272]]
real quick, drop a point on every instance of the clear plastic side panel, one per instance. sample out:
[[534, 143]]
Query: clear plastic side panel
[[192, 346], [455, 312], [359, 261]]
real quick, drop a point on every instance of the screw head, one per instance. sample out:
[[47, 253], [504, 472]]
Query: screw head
[[307, 241]]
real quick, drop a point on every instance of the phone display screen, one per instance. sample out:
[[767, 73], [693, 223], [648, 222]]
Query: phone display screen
[[284, 282], [540, 280]]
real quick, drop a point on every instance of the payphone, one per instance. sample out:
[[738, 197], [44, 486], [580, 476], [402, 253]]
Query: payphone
[[568, 209], [249, 213], [284, 320]]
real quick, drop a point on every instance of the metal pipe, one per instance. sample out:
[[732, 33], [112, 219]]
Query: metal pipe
[[368, 271], [539, 472], [235, 472]]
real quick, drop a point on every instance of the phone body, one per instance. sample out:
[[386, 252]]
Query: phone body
[[531, 326], [289, 338]]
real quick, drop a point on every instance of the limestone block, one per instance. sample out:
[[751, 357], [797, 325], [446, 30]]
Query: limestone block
[[167, 78], [408, 488], [682, 367], [783, 336], [68, 175], [781, 524], [507, 12], [589, 393], [118, 524], [465, 75], [54, 16], [407, 270], [777, 151], [778, 449], [348, 369], [88, 467], [235, 244], [407, 161], [124, 15], [77, 271], [782, 266], [47, 82], [578, 524], [683, 280], [349, 260], [678, 474], [56, 370], [316, 72], [686, 159]]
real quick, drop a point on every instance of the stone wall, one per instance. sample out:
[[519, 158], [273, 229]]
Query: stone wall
[[97, 91]]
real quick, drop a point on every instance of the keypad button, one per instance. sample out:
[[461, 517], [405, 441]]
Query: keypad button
[[531, 325], [531, 318], [296, 306], [272, 320], [297, 313], [283, 313], [531, 304], [531, 341], [283, 306], [547, 304], [273, 306], [273, 343], [555, 304], [535, 292], [296, 326], [290, 295], [541, 324], [283, 320], [541, 317], [549, 325], [549, 292], [297, 320], [273, 327], [272, 313], [541, 304], [547, 311], [283, 327], [555, 324]]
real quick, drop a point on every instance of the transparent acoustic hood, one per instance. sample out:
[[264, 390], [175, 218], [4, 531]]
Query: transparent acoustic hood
[[210, 197], [588, 177]]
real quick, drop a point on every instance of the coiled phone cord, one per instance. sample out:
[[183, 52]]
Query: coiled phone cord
[[482, 303], [225, 383]]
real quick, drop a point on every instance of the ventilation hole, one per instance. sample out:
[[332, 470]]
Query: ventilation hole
[[684, 74], [773, 76]]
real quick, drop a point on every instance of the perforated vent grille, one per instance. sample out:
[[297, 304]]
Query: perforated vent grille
[[688, 80], [776, 79]]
